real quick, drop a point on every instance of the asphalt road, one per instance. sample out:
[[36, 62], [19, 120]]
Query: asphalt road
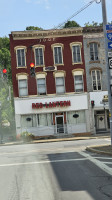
[[55, 171]]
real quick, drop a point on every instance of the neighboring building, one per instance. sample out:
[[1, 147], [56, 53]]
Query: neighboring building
[[55, 100], [96, 78]]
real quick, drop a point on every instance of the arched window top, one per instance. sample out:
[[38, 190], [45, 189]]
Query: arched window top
[[57, 45], [93, 42], [20, 47], [59, 73], [21, 76], [41, 75], [38, 46], [77, 72], [95, 69]]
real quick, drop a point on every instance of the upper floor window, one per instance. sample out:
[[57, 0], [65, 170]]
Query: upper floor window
[[78, 80], [60, 82], [96, 79], [20, 56], [93, 51], [22, 84], [39, 54], [41, 83], [58, 53], [76, 52]]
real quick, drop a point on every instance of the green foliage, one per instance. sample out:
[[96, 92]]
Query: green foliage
[[31, 28], [93, 24], [70, 24]]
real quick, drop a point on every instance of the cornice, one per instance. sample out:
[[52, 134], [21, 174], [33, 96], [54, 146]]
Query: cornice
[[19, 35]]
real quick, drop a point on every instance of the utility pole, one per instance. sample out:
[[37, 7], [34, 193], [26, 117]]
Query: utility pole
[[109, 70]]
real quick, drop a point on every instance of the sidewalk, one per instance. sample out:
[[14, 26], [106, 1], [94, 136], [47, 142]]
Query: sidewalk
[[57, 139]]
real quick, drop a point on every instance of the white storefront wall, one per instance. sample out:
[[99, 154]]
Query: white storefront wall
[[79, 102]]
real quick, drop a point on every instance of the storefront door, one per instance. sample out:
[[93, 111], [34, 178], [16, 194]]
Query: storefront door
[[100, 122], [59, 124]]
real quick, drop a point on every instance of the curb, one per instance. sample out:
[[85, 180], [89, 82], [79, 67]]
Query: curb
[[54, 140], [93, 150]]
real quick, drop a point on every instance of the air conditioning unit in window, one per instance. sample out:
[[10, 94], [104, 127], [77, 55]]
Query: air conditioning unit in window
[[50, 68]]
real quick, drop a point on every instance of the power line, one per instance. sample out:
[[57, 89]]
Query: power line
[[76, 13]]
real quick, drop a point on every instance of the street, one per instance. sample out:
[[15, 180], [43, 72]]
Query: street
[[55, 171]]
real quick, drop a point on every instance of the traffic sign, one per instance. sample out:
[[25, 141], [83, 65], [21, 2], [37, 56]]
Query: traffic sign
[[109, 27], [110, 62], [109, 36], [109, 54], [109, 45]]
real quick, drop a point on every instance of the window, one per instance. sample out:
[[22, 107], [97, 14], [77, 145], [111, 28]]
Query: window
[[23, 90], [96, 79], [79, 120], [21, 58], [76, 54], [78, 81], [60, 86], [39, 60], [41, 86], [58, 55], [93, 51]]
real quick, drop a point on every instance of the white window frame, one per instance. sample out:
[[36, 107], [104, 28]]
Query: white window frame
[[73, 60], [60, 85], [43, 49], [75, 84], [36, 58], [23, 87], [96, 80], [93, 52], [57, 45], [41, 85], [16, 50]]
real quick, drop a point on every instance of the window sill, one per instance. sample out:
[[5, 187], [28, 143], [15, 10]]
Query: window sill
[[78, 63], [59, 64], [39, 66], [95, 61], [25, 67]]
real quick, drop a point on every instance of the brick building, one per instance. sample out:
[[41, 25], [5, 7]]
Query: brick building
[[55, 100]]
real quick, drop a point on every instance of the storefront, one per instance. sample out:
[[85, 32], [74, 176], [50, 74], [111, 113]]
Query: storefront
[[99, 112], [52, 115]]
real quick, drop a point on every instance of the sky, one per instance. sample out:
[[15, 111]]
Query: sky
[[16, 15]]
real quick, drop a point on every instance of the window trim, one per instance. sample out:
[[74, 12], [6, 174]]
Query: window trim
[[41, 75], [25, 51], [96, 79], [59, 74], [76, 72], [97, 43], [43, 49], [22, 76], [62, 47], [71, 47]]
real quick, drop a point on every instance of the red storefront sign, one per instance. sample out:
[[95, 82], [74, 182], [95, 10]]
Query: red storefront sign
[[51, 104]]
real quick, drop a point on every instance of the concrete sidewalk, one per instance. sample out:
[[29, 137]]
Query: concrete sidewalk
[[57, 139]]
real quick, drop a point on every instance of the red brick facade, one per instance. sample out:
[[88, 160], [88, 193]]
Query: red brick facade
[[48, 58]]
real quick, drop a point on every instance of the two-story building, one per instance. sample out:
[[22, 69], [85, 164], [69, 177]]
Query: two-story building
[[55, 100]]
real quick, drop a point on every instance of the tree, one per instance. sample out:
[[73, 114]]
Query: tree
[[31, 28], [93, 24], [70, 24]]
